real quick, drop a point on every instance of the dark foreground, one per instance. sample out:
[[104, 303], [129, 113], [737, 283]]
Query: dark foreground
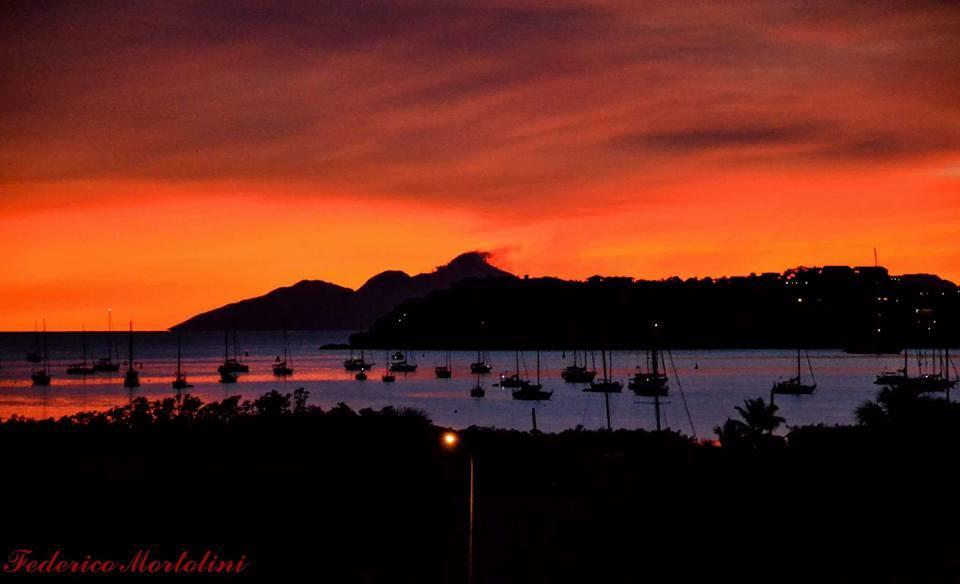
[[340, 496]]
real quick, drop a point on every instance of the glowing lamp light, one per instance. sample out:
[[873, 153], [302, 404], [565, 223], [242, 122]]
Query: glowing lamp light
[[450, 439]]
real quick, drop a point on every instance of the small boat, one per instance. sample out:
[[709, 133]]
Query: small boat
[[477, 389], [356, 363], [131, 378], [42, 376], [81, 368], [444, 371], [482, 365], [282, 368], [231, 364], [107, 364], [228, 377], [361, 376], [532, 391], [576, 373], [399, 363], [180, 381], [388, 377], [651, 381], [514, 381], [605, 384], [795, 385]]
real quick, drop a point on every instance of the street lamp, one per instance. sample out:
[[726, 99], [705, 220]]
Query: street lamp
[[450, 441]]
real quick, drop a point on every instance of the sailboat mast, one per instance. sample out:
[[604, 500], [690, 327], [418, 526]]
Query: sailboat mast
[[538, 366], [83, 343], [798, 364], [110, 334], [226, 345], [131, 345], [178, 355], [603, 356], [46, 355]]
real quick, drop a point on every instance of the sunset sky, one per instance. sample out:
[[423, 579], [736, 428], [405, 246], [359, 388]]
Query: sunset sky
[[164, 158]]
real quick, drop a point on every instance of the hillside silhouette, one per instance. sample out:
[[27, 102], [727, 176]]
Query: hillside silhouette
[[319, 305], [863, 309]]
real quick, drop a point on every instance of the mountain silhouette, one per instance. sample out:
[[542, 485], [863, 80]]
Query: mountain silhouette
[[319, 305]]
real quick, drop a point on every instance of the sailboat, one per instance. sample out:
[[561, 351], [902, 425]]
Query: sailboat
[[282, 368], [387, 376], [399, 363], [532, 391], [231, 364], [576, 373], [606, 384], [482, 365], [42, 376], [356, 363], [795, 385], [514, 380], [935, 381], [131, 378], [651, 381], [107, 364], [477, 389], [180, 381], [81, 368], [444, 371]]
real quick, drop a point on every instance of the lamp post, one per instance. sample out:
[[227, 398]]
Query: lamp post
[[450, 441]]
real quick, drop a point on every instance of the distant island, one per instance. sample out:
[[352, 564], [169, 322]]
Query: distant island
[[319, 305]]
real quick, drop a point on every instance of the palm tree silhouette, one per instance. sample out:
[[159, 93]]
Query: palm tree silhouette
[[759, 421], [759, 416]]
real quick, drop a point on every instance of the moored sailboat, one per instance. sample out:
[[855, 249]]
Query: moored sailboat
[[532, 391], [795, 385], [108, 364], [283, 368], [42, 375], [651, 381], [81, 368], [131, 378], [606, 384], [180, 381], [387, 376], [231, 364], [354, 363], [477, 389], [482, 365], [577, 373], [444, 371], [399, 363]]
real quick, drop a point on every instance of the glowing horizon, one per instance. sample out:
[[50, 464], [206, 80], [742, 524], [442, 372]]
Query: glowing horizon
[[165, 160]]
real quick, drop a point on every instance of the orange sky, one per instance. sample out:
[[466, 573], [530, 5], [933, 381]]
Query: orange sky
[[165, 159]]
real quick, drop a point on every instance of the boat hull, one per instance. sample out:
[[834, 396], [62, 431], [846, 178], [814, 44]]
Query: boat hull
[[604, 387], [578, 375]]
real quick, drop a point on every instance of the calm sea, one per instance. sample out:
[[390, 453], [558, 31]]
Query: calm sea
[[712, 381]]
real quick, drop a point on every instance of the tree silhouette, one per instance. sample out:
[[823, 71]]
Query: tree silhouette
[[758, 422]]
